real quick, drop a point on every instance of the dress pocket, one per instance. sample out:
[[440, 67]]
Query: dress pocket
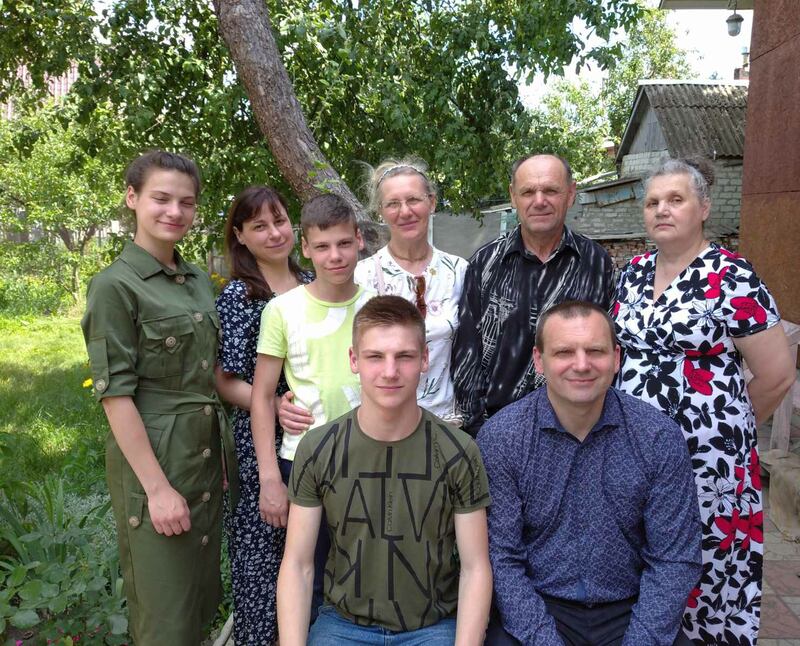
[[135, 506], [165, 341], [159, 429]]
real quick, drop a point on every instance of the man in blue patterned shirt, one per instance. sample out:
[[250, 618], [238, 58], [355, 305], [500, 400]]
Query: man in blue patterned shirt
[[511, 280], [594, 530]]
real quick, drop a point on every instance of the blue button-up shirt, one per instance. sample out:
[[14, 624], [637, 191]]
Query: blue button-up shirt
[[606, 519]]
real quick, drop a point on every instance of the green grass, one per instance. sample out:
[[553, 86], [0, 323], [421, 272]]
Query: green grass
[[49, 423]]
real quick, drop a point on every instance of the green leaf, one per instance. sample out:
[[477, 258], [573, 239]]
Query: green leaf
[[59, 604], [49, 590], [97, 583], [24, 619], [118, 623], [17, 576], [56, 573], [31, 590]]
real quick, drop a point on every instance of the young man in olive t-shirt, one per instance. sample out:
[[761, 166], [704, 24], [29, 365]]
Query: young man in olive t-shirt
[[401, 490]]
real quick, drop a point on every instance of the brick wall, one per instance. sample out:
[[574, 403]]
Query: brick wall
[[599, 221], [640, 164], [726, 198], [622, 250]]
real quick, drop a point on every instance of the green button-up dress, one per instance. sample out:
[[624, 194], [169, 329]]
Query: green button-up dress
[[151, 333]]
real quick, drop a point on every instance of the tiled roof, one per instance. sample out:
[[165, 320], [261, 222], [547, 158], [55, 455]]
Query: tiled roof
[[705, 118]]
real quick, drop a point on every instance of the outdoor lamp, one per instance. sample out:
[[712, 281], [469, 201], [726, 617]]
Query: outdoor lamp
[[734, 22]]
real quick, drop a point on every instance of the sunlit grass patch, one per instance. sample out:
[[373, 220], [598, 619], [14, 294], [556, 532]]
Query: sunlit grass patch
[[49, 420]]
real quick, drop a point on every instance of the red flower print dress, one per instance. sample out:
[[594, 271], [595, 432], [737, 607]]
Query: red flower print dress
[[678, 355]]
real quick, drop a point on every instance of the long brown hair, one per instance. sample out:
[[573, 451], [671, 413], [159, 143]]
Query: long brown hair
[[242, 263]]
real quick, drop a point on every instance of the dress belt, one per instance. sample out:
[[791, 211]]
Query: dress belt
[[160, 401]]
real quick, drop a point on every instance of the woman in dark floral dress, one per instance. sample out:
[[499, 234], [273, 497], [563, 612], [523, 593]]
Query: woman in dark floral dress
[[686, 315], [258, 241]]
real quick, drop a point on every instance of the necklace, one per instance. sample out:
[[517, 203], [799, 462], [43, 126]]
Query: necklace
[[397, 256]]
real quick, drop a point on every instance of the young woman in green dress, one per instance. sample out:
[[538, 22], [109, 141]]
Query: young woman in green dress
[[151, 331]]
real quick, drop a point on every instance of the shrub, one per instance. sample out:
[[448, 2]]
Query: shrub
[[34, 278], [26, 295], [60, 575]]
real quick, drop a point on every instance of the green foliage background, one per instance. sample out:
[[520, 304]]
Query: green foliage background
[[433, 77], [437, 78]]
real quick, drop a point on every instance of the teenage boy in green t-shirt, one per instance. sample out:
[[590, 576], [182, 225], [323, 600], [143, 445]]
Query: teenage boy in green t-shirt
[[401, 490], [306, 333]]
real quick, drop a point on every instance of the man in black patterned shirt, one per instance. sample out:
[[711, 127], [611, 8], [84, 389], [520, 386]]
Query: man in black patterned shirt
[[511, 280]]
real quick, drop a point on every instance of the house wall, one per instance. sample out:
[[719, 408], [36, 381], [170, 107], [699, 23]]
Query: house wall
[[649, 135], [726, 198], [771, 186], [463, 235], [641, 163], [594, 221]]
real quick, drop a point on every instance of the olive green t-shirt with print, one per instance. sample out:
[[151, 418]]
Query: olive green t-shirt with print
[[390, 511]]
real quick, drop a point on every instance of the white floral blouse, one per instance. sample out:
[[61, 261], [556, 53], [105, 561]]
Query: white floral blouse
[[444, 280]]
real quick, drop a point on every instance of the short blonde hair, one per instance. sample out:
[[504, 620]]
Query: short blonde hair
[[391, 168]]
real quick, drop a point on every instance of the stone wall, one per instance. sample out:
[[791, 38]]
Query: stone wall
[[621, 251]]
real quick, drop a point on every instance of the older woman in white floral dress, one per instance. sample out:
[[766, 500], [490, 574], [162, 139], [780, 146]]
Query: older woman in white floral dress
[[686, 315], [402, 193]]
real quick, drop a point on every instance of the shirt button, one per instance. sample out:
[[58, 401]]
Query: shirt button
[[206, 453], [134, 521], [197, 316], [204, 541], [204, 364], [100, 385], [170, 341], [206, 496], [180, 279], [207, 409]]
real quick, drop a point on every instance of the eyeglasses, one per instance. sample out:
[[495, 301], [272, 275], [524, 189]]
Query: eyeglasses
[[419, 294], [414, 202]]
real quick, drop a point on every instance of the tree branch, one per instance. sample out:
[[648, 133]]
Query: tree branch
[[246, 28]]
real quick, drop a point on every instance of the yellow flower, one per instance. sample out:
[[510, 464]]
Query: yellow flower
[[87, 383], [218, 280]]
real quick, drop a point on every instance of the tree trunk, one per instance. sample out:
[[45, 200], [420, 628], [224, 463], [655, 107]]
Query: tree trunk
[[246, 29], [66, 237]]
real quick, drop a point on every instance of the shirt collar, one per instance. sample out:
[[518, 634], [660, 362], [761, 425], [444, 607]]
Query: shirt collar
[[610, 418], [515, 244], [146, 265]]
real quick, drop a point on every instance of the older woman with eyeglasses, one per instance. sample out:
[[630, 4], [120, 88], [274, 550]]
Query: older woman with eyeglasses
[[403, 194]]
